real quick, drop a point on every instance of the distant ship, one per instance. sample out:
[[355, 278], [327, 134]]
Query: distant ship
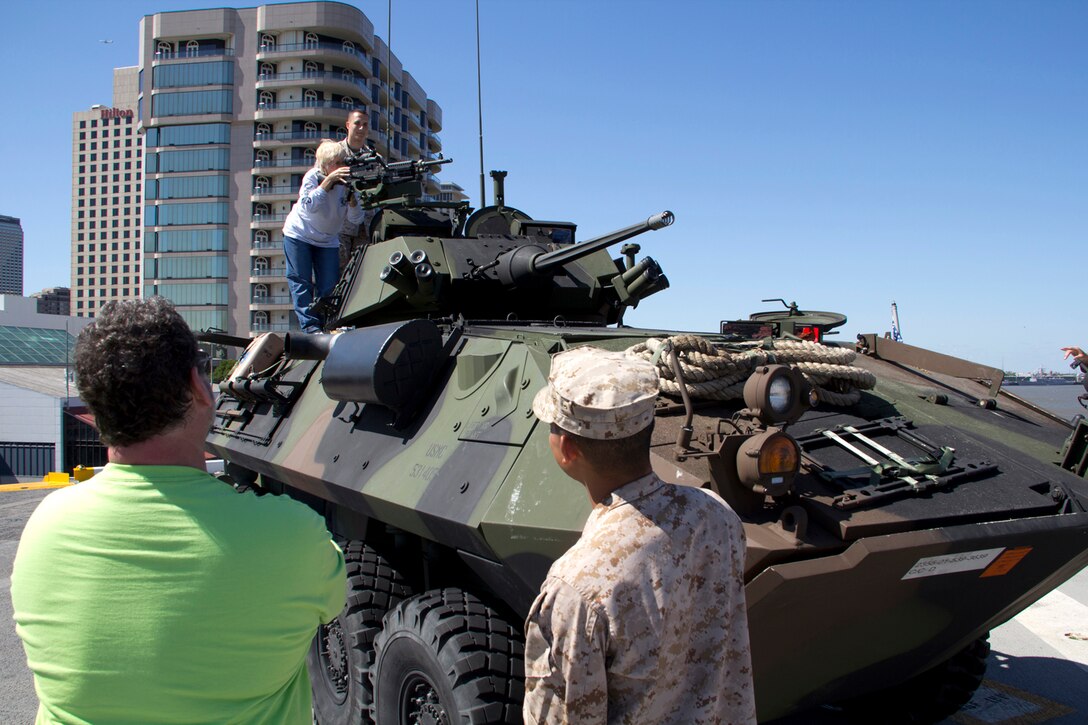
[[1043, 377]]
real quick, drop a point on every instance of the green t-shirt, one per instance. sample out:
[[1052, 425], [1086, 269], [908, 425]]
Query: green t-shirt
[[156, 594]]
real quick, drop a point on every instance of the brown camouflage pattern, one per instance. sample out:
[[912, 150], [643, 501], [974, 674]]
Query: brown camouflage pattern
[[598, 394], [643, 620]]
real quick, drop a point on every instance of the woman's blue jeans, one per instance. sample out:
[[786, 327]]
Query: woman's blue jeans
[[310, 271]]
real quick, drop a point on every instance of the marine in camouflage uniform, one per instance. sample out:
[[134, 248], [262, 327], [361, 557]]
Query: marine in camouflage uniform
[[353, 236], [643, 620]]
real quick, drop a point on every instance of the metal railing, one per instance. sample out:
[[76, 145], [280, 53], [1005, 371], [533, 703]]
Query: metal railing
[[269, 217], [268, 272], [296, 105], [314, 75], [270, 299], [270, 246], [299, 135], [317, 45], [280, 163], [272, 327], [193, 53], [260, 191]]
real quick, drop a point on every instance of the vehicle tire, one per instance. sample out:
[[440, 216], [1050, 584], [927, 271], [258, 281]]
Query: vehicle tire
[[343, 650], [446, 657], [929, 697]]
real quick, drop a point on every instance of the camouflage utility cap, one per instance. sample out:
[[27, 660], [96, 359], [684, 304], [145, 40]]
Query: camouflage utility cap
[[598, 394]]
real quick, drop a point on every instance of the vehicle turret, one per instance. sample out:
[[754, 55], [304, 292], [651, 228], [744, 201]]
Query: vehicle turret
[[427, 259]]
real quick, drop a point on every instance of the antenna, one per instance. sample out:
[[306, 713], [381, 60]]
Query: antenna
[[896, 334], [480, 107], [388, 90]]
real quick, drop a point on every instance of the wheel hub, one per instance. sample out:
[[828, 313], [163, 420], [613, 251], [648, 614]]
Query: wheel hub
[[422, 705], [334, 657]]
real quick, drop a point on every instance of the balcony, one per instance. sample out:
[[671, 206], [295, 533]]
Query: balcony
[[284, 138], [272, 327], [334, 111], [317, 50], [270, 302], [256, 274], [280, 80], [267, 221], [282, 165], [186, 54], [263, 248], [274, 193]]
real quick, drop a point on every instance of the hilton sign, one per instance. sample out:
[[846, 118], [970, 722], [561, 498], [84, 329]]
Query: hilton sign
[[116, 113]]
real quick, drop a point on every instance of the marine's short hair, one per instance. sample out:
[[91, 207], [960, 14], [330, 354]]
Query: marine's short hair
[[133, 368], [613, 454], [329, 152]]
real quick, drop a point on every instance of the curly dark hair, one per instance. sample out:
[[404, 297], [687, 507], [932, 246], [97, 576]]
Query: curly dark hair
[[132, 369]]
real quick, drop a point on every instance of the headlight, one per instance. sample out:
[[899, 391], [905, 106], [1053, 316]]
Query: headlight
[[780, 394], [768, 462], [776, 394]]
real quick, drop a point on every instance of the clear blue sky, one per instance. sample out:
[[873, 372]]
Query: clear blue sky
[[840, 154]]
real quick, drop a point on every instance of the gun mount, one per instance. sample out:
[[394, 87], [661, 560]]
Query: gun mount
[[380, 183]]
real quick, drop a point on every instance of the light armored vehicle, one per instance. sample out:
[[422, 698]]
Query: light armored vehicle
[[897, 503]]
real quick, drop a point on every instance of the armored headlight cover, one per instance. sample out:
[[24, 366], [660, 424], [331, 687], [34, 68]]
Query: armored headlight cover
[[768, 462], [776, 394]]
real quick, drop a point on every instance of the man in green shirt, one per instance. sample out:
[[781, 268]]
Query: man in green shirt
[[153, 593]]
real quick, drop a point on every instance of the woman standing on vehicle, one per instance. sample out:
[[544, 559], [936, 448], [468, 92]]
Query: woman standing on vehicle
[[311, 233]]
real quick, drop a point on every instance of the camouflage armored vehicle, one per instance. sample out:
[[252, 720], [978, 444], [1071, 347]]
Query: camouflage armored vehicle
[[897, 503]]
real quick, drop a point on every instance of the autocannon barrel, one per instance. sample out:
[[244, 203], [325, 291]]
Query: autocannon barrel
[[522, 264], [547, 261]]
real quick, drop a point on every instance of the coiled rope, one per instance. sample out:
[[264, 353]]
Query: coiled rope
[[718, 371]]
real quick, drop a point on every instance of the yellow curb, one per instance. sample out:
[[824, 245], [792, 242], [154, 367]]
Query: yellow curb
[[33, 486]]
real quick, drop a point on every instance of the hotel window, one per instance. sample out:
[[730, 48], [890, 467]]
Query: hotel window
[[194, 74], [189, 103]]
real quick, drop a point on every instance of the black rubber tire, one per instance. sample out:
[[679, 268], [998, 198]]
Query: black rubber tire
[[931, 696], [343, 650], [446, 657]]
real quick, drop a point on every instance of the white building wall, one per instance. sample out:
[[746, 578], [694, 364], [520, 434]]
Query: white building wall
[[16, 311], [27, 416]]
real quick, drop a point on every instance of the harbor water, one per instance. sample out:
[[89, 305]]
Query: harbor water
[[1058, 399]]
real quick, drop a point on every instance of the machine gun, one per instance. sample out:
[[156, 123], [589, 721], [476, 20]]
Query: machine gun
[[380, 183]]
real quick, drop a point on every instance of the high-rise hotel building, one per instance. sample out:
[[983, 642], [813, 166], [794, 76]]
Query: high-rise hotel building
[[232, 104], [11, 255], [106, 200]]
